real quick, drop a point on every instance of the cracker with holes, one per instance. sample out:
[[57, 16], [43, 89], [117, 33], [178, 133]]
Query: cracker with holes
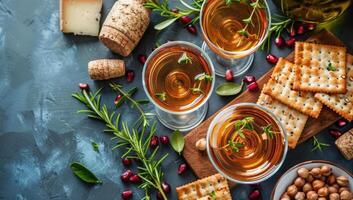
[[341, 103], [320, 68], [292, 120], [207, 187], [279, 87]]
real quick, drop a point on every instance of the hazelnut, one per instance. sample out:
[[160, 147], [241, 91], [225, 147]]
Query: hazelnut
[[307, 187], [325, 170], [331, 180], [323, 178], [315, 172], [321, 198], [303, 172], [323, 192], [346, 195], [312, 195], [300, 196], [334, 196], [317, 184], [336, 186], [285, 196], [299, 182], [201, 144], [310, 178], [332, 189], [343, 189], [292, 190], [342, 181]]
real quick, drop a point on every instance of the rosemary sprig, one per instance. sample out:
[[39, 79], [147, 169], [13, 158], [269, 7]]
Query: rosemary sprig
[[136, 142], [248, 21], [318, 145]]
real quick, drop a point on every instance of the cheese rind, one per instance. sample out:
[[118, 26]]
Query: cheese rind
[[80, 17]]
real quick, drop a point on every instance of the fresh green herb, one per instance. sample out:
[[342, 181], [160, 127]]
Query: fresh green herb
[[177, 141], [204, 77], [83, 173], [330, 67], [229, 89], [234, 146], [318, 145], [268, 131], [212, 195], [196, 90], [161, 96], [129, 93], [185, 59], [240, 125], [95, 146]]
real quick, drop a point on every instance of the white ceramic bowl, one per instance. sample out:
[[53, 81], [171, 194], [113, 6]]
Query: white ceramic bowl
[[288, 177]]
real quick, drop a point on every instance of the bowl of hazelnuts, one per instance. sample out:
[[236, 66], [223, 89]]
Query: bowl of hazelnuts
[[314, 180]]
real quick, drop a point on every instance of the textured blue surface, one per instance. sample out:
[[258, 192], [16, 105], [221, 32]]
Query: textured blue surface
[[40, 131]]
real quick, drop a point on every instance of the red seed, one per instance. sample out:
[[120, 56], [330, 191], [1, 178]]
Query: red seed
[[335, 133], [165, 187], [249, 79], [164, 139], [253, 86], [271, 59], [175, 10], [300, 29], [192, 29], [130, 75], [185, 19], [254, 194], [135, 178], [83, 86], [290, 42], [126, 194], [142, 58], [182, 168], [228, 75], [154, 141], [126, 175], [126, 161], [311, 26], [117, 99], [279, 41], [341, 123]]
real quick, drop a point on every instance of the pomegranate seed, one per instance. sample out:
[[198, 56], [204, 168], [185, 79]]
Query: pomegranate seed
[[83, 86], [126, 175], [164, 139], [192, 29], [254, 194], [271, 59], [249, 79], [185, 19], [292, 33], [118, 99], [311, 26], [229, 75], [154, 141], [130, 75], [135, 178], [126, 161], [290, 42], [165, 187], [142, 58], [300, 29], [279, 41], [341, 123], [335, 133], [253, 86], [175, 10], [159, 196], [182, 168], [126, 194]]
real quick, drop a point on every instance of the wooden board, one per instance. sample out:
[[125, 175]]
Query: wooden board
[[199, 161]]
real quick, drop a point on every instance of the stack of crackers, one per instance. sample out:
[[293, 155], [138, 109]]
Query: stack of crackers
[[321, 75]]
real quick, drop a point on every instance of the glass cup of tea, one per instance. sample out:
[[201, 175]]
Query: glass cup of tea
[[246, 143], [233, 32], [178, 78]]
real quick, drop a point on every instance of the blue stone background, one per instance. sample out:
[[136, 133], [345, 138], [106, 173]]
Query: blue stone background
[[40, 131]]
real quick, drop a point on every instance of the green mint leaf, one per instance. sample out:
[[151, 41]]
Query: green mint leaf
[[229, 89], [161, 96], [95, 146], [83, 173], [177, 141], [330, 67], [165, 24], [243, 32], [184, 59]]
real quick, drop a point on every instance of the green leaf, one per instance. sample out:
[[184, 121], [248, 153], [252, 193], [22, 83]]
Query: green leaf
[[247, 21], [95, 146], [229, 89], [143, 101], [83, 173], [185, 59], [196, 90], [164, 24], [177, 141], [161, 96], [330, 67], [243, 32]]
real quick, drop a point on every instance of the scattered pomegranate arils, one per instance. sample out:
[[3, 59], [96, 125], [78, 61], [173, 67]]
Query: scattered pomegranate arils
[[83, 86], [228, 75], [253, 86], [300, 29], [182, 168], [175, 10], [290, 42], [311, 26], [185, 19], [279, 41], [154, 141], [164, 139], [118, 99], [166, 187], [192, 29], [130, 75], [142, 58], [335, 133], [126, 175], [135, 178], [341, 123], [254, 194], [249, 79], [126, 194], [126, 161], [271, 59]]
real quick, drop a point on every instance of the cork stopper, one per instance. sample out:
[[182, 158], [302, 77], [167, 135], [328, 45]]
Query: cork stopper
[[345, 144], [104, 69]]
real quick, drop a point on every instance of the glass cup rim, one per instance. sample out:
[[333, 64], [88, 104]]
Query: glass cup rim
[[203, 54], [247, 51], [216, 119]]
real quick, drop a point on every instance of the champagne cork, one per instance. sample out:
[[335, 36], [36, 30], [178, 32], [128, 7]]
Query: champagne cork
[[124, 26], [104, 69], [345, 144]]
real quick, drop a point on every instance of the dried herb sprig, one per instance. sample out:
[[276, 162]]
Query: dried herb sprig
[[135, 141], [318, 145]]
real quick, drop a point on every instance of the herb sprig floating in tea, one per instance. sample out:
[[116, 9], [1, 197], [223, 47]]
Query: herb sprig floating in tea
[[249, 21], [201, 78], [161, 96], [185, 59]]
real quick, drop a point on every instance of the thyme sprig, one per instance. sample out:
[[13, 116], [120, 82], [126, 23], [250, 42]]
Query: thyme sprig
[[240, 125], [135, 141], [203, 77], [318, 145], [248, 21]]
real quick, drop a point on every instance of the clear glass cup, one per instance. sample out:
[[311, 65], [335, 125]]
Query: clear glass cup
[[226, 25], [183, 120], [259, 158]]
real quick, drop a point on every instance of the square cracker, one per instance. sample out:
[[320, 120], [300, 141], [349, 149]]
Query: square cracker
[[292, 120], [204, 187], [279, 87], [341, 103], [312, 74]]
